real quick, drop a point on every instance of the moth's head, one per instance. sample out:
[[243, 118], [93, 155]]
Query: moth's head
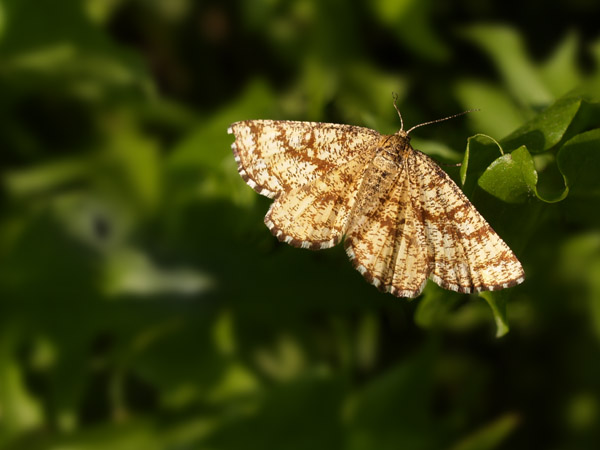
[[403, 134]]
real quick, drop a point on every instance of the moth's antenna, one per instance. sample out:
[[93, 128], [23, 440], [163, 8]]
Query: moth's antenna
[[440, 120], [395, 97]]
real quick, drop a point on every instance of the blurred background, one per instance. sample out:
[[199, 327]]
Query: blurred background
[[144, 304]]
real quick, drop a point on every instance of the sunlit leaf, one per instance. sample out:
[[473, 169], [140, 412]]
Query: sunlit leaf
[[19, 409], [490, 436], [507, 50], [561, 71], [130, 272], [546, 129], [512, 177], [481, 150], [135, 434], [492, 103]]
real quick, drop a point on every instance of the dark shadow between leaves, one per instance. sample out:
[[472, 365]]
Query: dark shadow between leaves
[[533, 140]]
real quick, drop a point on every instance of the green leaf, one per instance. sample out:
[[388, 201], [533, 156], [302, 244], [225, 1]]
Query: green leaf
[[365, 97], [131, 272], [435, 309], [480, 152], [435, 305], [44, 177], [124, 436], [133, 163], [595, 51], [490, 436], [546, 129], [202, 165], [393, 410], [511, 178], [208, 144], [560, 72], [2, 21], [506, 49], [492, 102], [497, 301], [412, 21], [58, 43], [579, 161], [21, 411], [288, 419], [580, 267]]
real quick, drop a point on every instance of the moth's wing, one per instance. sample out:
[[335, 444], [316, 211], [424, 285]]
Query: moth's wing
[[465, 254], [276, 156], [315, 214], [385, 239]]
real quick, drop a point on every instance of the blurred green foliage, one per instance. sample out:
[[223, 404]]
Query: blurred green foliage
[[144, 305]]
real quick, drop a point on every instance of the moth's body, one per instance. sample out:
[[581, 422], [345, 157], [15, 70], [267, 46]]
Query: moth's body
[[402, 218], [392, 149]]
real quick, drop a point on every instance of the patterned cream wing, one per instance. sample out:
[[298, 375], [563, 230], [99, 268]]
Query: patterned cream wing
[[276, 156], [385, 239], [315, 214], [412, 222], [465, 254]]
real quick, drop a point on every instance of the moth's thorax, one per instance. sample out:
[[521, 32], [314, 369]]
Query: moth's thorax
[[391, 150]]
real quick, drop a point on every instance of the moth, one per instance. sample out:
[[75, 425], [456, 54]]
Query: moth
[[402, 218]]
